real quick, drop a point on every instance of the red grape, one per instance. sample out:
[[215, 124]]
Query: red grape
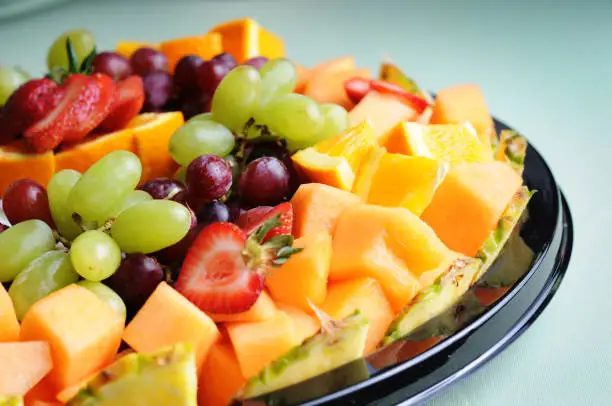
[[235, 209], [213, 212], [176, 253], [264, 182], [227, 59], [148, 60], [210, 74], [186, 72], [158, 89], [112, 64], [208, 177], [135, 280], [164, 188], [257, 62], [193, 102], [26, 200], [3, 227]]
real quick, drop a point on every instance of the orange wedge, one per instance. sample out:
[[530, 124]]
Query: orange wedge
[[18, 161], [204, 46], [127, 48]]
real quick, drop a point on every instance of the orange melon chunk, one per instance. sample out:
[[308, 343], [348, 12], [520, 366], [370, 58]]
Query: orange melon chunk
[[304, 276], [365, 295], [460, 103], [168, 318], [391, 245], [263, 309], [18, 161], [304, 325], [23, 366], [328, 86], [384, 112], [82, 337], [258, 343], [127, 48], [8, 319], [316, 208], [245, 38], [204, 46], [340, 64], [80, 156], [469, 202], [221, 377]]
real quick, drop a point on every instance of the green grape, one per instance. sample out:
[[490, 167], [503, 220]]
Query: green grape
[[106, 294], [200, 138], [278, 76], [151, 226], [105, 184], [236, 97], [41, 277], [95, 255], [10, 80], [58, 191], [21, 244], [335, 120], [134, 197], [82, 41], [292, 116], [200, 117]]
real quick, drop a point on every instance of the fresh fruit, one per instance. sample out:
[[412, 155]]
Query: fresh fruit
[[357, 88], [227, 59], [253, 219], [168, 318], [213, 212], [209, 177], [211, 73], [83, 43], [192, 102], [236, 98], [158, 89], [112, 64], [278, 76], [219, 389], [257, 62], [258, 343], [106, 294], [164, 189], [133, 198], [392, 74], [328, 87], [302, 280], [130, 100], [10, 80], [186, 72], [335, 121], [461, 103], [338, 343], [151, 226], [203, 46], [200, 138], [59, 189], [148, 60], [263, 149], [316, 208], [304, 324], [245, 39], [265, 181], [166, 377], [434, 299], [512, 149], [41, 277], [82, 337], [469, 202], [11, 400], [8, 318], [391, 245], [263, 309], [95, 255], [21, 244], [366, 296], [105, 184], [127, 48], [26, 200], [18, 161], [23, 366]]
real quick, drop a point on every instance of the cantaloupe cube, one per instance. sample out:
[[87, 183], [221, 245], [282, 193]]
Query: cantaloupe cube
[[328, 86], [245, 38], [9, 330], [258, 343], [83, 332], [22, 366], [304, 325], [263, 309], [221, 377], [316, 208], [461, 103], [468, 204], [304, 276], [168, 318], [391, 245], [384, 112], [366, 295]]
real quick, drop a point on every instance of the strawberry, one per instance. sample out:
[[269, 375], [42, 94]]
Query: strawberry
[[85, 104], [126, 106], [255, 218], [224, 270], [357, 88], [28, 104]]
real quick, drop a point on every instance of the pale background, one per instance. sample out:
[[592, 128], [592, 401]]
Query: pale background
[[545, 67]]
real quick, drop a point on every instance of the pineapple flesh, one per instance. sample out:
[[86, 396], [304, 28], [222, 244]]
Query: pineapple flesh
[[11, 401]]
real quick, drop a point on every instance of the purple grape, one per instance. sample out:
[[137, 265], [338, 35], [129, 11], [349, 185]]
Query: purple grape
[[135, 280], [148, 60], [213, 212], [158, 89], [264, 182], [257, 62], [176, 253], [235, 209], [227, 59], [164, 188], [267, 148], [186, 72], [3, 227], [112, 64], [210, 74], [209, 177], [193, 102]]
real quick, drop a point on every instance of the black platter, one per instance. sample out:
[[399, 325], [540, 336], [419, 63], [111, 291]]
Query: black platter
[[399, 375]]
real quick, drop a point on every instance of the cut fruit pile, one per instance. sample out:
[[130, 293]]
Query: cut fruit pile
[[299, 220]]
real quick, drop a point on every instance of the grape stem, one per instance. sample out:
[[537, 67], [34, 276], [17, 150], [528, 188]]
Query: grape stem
[[107, 226], [64, 242]]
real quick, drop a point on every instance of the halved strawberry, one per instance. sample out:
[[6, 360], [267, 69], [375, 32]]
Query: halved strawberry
[[126, 106], [255, 218], [357, 88]]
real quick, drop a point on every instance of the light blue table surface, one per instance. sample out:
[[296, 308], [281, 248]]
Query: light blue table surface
[[545, 67]]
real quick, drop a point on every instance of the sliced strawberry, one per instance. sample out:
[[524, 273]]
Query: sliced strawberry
[[357, 88], [255, 218], [126, 106], [252, 217], [215, 276]]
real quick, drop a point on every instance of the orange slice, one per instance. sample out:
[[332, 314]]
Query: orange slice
[[204, 46], [18, 161], [245, 38]]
